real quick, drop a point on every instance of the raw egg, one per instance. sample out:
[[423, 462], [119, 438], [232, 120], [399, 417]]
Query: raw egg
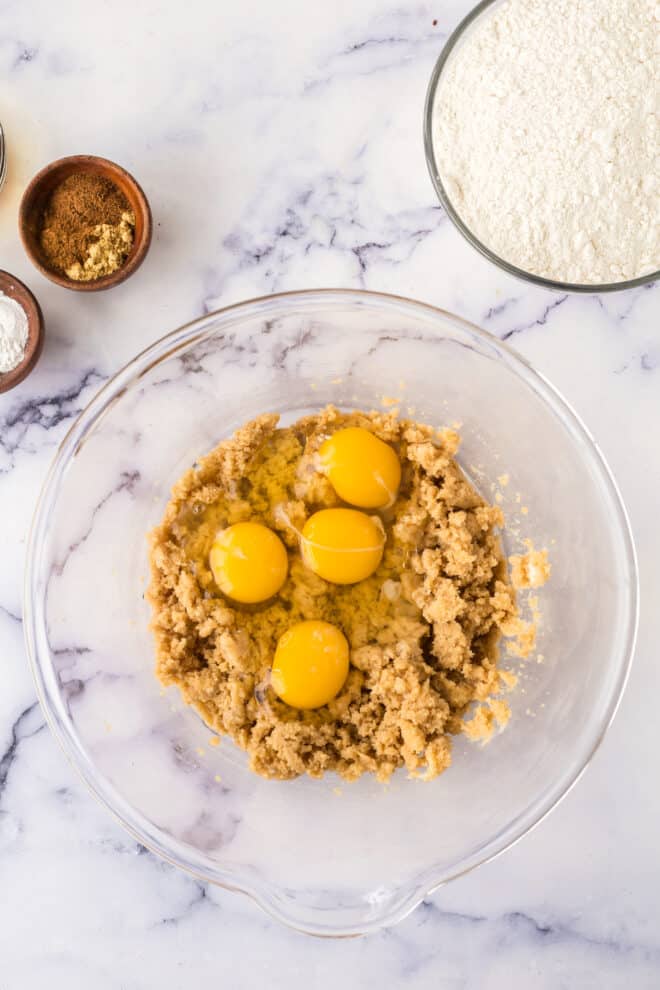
[[249, 562], [310, 665], [362, 468], [342, 545]]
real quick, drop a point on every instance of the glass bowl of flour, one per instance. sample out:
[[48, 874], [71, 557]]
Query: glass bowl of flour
[[541, 137], [324, 856]]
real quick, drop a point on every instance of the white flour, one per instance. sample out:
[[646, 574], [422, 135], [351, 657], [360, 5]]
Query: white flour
[[13, 333], [546, 136]]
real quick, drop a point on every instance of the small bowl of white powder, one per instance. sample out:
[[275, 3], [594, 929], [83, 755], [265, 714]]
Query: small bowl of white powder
[[542, 139], [21, 331]]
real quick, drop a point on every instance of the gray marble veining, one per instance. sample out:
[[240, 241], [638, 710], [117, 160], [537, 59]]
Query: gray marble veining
[[281, 148]]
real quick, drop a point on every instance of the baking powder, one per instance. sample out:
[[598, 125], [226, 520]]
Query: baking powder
[[13, 333], [546, 136]]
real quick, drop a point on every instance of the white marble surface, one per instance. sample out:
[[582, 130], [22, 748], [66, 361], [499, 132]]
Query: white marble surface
[[280, 146]]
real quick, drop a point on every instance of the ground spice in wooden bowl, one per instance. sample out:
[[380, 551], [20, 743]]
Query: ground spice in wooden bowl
[[87, 227], [85, 223]]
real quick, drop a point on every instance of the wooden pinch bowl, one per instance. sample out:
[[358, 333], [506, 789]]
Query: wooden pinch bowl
[[15, 289], [35, 198]]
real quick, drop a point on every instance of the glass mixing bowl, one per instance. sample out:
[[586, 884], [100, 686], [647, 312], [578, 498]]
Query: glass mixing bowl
[[457, 38], [324, 856]]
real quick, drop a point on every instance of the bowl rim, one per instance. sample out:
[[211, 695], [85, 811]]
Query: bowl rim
[[267, 894], [452, 41]]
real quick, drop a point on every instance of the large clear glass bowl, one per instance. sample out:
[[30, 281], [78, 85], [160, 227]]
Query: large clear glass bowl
[[457, 38], [324, 856]]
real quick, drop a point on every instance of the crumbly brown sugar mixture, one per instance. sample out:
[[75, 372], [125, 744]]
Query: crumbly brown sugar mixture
[[423, 630]]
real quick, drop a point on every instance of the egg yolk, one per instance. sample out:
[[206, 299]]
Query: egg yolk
[[342, 545], [249, 562], [362, 469], [310, 665]]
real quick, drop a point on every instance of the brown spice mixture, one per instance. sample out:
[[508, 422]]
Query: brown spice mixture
[[423, 629], [86, 229]]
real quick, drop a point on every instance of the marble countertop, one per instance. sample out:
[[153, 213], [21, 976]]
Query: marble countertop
[[280, 147]]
